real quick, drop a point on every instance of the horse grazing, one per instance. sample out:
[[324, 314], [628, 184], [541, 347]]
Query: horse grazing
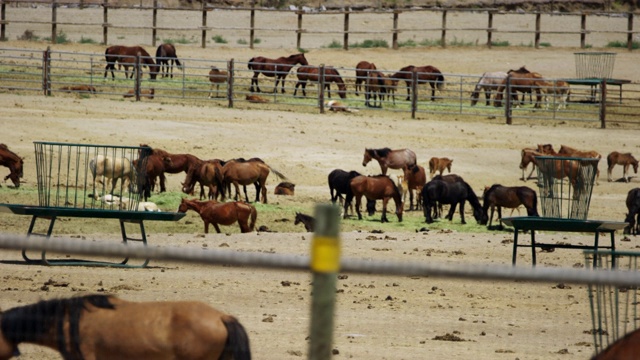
[[246, 172], [83, 328], [439, 164], [633, 214], [509, 197], [126, 56], [588, 154], [308, 221], [206, 173], [489, 82], [425, 74], [524, 82], [14, 162], [438, 191], [374, 188], [111, 168], [222, 213], [415, 178], [625, 159], [166, 57], [387, 158], [173, 163], [312, 73], [285, 188], [155, 165], [556, 91], [362, 73], [374, 88], [278, 68], [340, 184], [527, 156], [217, 77]]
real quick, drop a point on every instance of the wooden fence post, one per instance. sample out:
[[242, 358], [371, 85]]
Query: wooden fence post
[[443, 38], [154, 31], [537, 36], [414, 93], [583, 30], [46, 72], [54, 21], [507, 101], [252, 23], [325, 264], [603, 103], [3, 18], [204, 24], [230, 77], [490, 30], [394, 37], [630, 29], [345, 40], [321, 82], [299, 32], [138, 69]]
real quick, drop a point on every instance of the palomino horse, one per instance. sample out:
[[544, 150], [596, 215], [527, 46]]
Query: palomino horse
[[278, 68], [83, 328], [425, 74], [222, 213], [217, 77], [439, 164], [15, 163], [387, 158], [246, 172], [126, 56], [166, 57], [206, 173], [633, 214], [374, 188], [438, 191], [308, 221], [625, 159], [415, 178], [509, 197], [526, 83], [311, 73], [489, 83], [111, 168], [362, 72], [374, 88]]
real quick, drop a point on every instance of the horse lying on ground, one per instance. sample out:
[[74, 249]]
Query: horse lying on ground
[[509, 197], [387, 158], [216, 213], [144, 93], [438, 191], [256, 99], [285, 188], [625, 159], [107, 327], [308, 221], [14, 162], [79, 88], [337, 106], [439, 164], [374, 188]]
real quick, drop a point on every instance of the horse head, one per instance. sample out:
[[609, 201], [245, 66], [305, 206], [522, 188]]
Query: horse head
[[368, 155], [300, 58]]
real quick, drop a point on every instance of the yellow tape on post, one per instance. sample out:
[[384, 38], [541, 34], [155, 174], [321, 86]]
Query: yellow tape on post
[[325, 254]]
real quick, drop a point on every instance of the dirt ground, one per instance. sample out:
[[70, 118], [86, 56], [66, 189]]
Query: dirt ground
[[377, 317]]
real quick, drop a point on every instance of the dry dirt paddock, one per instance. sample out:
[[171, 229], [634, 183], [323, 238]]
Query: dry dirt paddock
[[377, 317]]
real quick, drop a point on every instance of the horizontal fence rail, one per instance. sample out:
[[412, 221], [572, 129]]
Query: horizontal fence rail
[[397, 26], [232, 83]]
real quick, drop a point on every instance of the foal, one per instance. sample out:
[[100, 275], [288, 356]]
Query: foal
[[213, 212]]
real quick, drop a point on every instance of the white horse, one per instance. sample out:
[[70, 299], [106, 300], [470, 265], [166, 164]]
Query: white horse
[[111, 168], [489, 82]]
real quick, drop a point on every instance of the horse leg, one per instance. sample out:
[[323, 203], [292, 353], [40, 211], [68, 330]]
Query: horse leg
[[215, 225], [433, 91], [500, 227], [411, 200], [461, 212], [408, 90], [487, 97], [625, 168], [262, 186], [384, 210], [358, 202], [254, 80]]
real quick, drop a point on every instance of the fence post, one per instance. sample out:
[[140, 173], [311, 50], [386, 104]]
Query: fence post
[[443, 38], [230, 77], [154, 31], [136, 86], [46, 71], [105, 21], [299, 33], [345, 40], [252, 24], [490, 30], [204, 25], [321, 81], [394, 37], [54, 21], [603, 103], [629, 34], [3, 18], [583, 30], [537, 36], [325, 264], [414, 93], [507, 101]]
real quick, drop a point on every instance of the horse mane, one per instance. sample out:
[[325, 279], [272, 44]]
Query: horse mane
[[488, 191], [11, 154], [353, 174], [521, 70], [380, 152], [472, 197]]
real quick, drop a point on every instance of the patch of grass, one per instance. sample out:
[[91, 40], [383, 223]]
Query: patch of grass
[[545, 44], [408, 43], [61, 38], [84, 40], [218, 39], [242, 42], [431, 42], [367, 44], [257, 41], [588, 46], [623, 44], [335, 44], [120, 37], [504, 43], [457, 42], [302, 51]]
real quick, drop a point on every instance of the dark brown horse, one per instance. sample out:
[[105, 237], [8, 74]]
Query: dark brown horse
[[374, 188], [523, 82], [155, 165], [285, 188], [14, 162], [83, 328], [438, 191], [509, 197], [625, 159], [625, 348], [633, 211], [308, 221], [375, 88], [222, 213], [425, 74], [206, 173], [165, 57], [278, 68], [415, 178], [311, 73], [246, 172], [387, 158], [126, 56], [362, 72], [175, 164]]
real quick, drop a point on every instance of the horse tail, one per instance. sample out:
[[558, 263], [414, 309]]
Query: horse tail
[[237, 344], [534, 206], [278, 173]]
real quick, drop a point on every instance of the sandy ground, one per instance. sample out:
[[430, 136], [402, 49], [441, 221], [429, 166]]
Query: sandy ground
[[377, 317]]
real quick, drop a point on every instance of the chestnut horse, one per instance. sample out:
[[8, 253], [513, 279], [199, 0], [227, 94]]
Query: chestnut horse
[[425, 74], [165, 57], [311, 73], [438, 191], [415, 178], [340, 183], [374, 88], [107, 327], [526, 83], [374, 188], [625, 159], [509, 197], [174, 163], [439, 164], [15, 163], [217, 77], [362, 72], [387, 158], [206, 173], [625, 348], [588, 154], [633, 214], [526, 158], [246, 172], [308, 221], [126, 56], [223, 213], [278, 68]]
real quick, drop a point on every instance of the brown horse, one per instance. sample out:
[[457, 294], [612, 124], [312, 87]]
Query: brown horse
[[285, 188], [374, 188], [509, 197], [374, 88], [588, 154], [559, 92], [625, 159], [526, 158], [155, 165], [206, 173], [14, 162], [425, 74], [387, 158], [311, 73], [439, 164], [415, 178], [246, 172], [452, 191], [308, 221], [633, 211], [165, 57], [390, 86], [625, 348], [126, 56], [144, 93], [362, 72], [278, 68], [213, 212], [175, 164], [79, 88], [217, 77], [526, 83], [83, 328]]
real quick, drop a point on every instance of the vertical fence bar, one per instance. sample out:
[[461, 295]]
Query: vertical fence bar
[[230, 78], [105, 21], [414, 93], [46, 79], [490, 30], [325, 264], [507, 101], [443, 38], [3, 18], [252, 23], [154, 30], [345, 39], [138, 69], [321, 82], [204, 25], [537, 36], [394, 36], [603, 103], [299, 32], [54, 21], [583, 30], [629, 29]]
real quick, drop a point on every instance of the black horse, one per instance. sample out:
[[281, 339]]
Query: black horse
[[454, 193], [308, 221], [509, 197], [340, 184], [633, 216]]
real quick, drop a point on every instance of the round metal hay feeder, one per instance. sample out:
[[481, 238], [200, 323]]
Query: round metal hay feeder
[[595, 65]]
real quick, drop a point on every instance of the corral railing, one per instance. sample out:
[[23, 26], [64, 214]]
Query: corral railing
[[398, 27], [58, 73]]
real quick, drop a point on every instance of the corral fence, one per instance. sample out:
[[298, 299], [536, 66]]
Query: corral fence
[[398, 26], [56, 73]]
